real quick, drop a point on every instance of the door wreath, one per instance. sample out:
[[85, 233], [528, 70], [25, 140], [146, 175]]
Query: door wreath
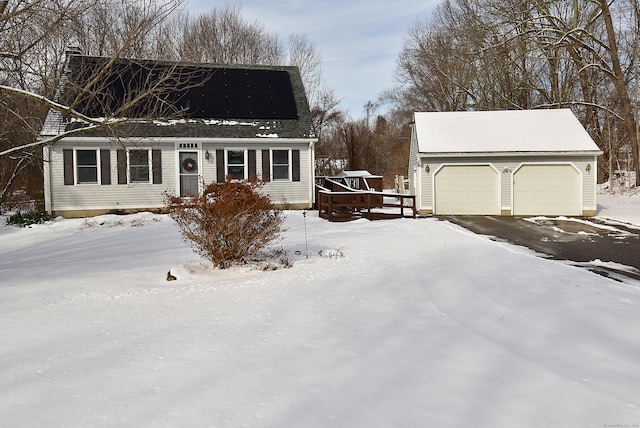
[[189, 164]]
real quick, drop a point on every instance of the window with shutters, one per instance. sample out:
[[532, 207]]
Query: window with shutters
[[87, 170], [280, 165], [139, 166], [236, 164]]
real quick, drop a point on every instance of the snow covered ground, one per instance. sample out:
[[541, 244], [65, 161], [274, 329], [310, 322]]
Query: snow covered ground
[[420, 324]]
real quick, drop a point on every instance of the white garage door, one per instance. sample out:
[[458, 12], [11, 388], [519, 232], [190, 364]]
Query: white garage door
[[546, 190], [467, 189]]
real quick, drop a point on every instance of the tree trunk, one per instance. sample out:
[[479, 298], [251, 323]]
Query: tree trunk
[[630, 123]]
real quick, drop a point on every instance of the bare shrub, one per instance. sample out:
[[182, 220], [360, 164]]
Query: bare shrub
[[230, 224]]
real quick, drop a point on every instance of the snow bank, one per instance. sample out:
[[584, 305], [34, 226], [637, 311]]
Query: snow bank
[[403, 323]]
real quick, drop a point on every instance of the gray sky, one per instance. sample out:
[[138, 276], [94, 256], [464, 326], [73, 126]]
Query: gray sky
[[359, 40]]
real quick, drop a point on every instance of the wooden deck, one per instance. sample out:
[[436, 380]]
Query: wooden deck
[[338, 202]]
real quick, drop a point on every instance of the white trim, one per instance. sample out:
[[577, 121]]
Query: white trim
[[197, 149], [503, 154], [594, 173], [178, 140], [98, 166], [46, 167], [289, 178], [515, 170], [417, 186], [312, 172], [245, 165], [149, 166]]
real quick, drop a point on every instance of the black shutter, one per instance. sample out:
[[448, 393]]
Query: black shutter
[[156, 166], [220, 175], [122, 166], [67, 157], [105, 167], [295, 165], [266, 166], [253, 173]]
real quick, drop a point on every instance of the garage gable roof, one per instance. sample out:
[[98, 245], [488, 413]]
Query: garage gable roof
[[507, 131]]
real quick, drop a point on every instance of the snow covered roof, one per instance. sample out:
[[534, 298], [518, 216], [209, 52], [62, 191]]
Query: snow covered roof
[[355, 174], [507, 131]]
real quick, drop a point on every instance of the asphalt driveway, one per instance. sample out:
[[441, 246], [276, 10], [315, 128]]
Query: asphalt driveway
[[580, 240]]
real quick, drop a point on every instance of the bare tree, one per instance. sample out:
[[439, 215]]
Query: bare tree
[[34, 35], [520, 54], [620, 80], [27, 65], [377, 143], [222, 36], [303, 54]]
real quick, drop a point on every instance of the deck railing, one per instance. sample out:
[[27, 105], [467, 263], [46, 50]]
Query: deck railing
[[373, 205]]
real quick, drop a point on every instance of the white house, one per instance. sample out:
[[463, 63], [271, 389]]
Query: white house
[[238, 121], [521, 163]]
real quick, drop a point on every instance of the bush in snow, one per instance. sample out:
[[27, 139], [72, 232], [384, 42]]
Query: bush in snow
[[25, 219], [229, 224]]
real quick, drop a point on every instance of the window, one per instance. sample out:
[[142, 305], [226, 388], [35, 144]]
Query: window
[[236, 166], [280, 164], [87, 166], [139, 166]]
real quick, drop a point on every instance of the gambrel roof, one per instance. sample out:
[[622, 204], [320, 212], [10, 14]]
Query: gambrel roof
[[193, 100], [508, 131]]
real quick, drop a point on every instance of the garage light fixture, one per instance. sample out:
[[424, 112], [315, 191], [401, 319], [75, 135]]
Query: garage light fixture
[[427, 169], [588, 168], [207, 155]]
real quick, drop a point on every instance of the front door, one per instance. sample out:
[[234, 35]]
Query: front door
[[189, 178]]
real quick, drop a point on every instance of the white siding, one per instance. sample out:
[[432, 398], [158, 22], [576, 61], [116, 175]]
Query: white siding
[[86, 197], [426, 189], [413, 162], [137, 196], [295, 193]]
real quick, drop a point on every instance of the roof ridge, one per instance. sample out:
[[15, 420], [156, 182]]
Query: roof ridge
[[189, 63]]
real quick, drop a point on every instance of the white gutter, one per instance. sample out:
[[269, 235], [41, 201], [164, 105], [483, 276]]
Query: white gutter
[[424, 155], [229, 140], [312, 167]]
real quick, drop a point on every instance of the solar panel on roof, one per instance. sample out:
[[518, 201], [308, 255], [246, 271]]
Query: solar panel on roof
[[245, 94], [199, 92]]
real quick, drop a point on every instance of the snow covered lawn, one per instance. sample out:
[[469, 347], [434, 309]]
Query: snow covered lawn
[[420, 324]]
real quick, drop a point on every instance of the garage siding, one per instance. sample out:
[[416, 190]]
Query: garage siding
[[426, 190]]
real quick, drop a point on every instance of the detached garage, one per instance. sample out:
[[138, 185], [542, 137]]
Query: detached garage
[[520, 162]]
